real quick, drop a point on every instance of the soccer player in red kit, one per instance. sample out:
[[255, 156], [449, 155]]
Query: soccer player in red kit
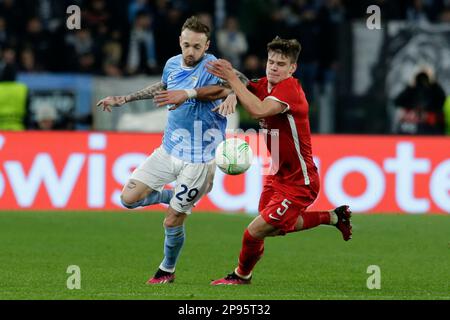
[[279, 101]]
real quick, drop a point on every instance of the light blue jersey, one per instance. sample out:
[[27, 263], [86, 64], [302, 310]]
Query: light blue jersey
[[193, 131]]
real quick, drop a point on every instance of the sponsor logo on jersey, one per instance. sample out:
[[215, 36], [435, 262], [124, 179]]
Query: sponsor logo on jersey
[[274, 218]]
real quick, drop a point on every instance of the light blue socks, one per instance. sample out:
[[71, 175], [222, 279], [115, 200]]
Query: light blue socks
[[153, 198], [173, 243], [157, 197]]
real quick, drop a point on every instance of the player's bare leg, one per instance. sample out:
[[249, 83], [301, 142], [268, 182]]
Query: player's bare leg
[[253, 241], [260, 229], [133, 192], [137, 194], [173, 243]]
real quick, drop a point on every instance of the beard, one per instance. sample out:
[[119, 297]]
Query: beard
[[190, 61]]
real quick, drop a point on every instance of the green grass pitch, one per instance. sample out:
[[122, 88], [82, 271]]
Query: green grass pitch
[[118, 251]]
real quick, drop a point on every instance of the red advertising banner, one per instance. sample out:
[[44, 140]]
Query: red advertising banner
[[85, 171]]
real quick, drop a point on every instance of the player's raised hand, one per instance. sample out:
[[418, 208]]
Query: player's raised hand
[[170, 97], [228, 106], [221, 68], [112, 101]]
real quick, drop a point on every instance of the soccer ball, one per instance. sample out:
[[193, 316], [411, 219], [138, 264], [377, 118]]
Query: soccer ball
[[234, 156]]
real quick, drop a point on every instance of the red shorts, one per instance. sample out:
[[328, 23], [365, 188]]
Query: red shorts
[[281, 210]]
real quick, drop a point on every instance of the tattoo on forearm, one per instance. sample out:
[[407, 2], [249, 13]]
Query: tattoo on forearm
[[241, 77], [146, 93]]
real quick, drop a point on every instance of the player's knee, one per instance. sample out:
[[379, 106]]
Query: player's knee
[[129, 202], [171, 221], [174, 219], [259, 229]]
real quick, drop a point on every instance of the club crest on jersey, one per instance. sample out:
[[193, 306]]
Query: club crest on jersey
[[194, 80]]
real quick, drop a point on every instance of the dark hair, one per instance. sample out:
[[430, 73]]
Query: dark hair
[[194, 24], [290, 48]]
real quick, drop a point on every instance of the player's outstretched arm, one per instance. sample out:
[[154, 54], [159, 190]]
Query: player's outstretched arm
[[228, 106], [118, 101], [110, 102], [242, 77], [175, 98], [146, 93], [222, 91], [258, 109]]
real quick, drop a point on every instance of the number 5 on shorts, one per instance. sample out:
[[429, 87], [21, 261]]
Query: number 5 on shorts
[[285, 204]]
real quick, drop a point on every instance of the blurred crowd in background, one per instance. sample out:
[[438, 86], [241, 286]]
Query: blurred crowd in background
[[121, 38], [128, 37]]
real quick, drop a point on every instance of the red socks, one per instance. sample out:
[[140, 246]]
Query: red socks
[[312, 219], [252, 250]]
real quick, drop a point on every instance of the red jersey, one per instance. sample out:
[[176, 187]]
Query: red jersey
[[296, 167]]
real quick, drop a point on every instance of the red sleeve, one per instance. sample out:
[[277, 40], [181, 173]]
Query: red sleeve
[[286, 93], [252, 86]]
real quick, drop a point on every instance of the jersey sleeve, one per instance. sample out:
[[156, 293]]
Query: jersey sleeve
[[252, 85], [167, 70], [212, 79], [165, 75], [283, 93]]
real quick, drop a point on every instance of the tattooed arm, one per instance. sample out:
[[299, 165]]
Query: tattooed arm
[[146, 93], [118, 101], [228, 106], [221, 91], [210, 93], [241, 77]]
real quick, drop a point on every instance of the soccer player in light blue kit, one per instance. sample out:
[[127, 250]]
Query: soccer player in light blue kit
[[187, 152]]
